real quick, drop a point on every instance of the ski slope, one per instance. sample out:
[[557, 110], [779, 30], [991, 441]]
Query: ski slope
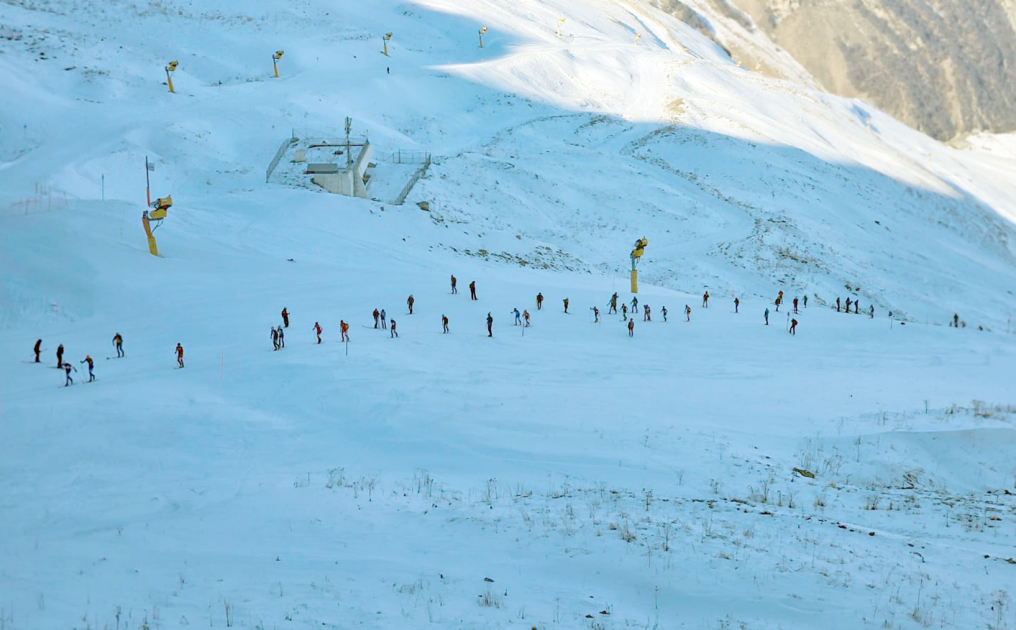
[[562, 475]]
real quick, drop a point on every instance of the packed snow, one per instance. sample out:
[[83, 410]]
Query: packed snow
[[708, 471]]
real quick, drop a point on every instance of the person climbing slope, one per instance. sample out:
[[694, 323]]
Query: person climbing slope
[[631, 327], [384, 324], [444, 324], [793, 327], [635, 304], [179, 354], [344, 330], [539, 301], [737, 303], [376, 316], [275, 339], [285, 317], [59, 356], [410, 302], [394, 334], [118, 344], [663, 311], [38, 349], [317, 331], [687, 313], [472, 290], [596, 315], [767, 316], [612, 304], [705, 300], [282, 338], [525, 315], [454, 290], [518, 317], [645, 314], [490, 325], [566, 305], [67, 371]]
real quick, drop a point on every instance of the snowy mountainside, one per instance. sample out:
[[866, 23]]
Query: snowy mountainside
[[562, 475]]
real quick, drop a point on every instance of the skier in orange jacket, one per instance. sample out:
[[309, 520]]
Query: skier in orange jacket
[[285, 317], [91, 364], [179, 354], [317, 331], [344, 329]]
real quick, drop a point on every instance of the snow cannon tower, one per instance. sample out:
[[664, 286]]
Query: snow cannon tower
[[152, 220], [275, 62], [636, 254]]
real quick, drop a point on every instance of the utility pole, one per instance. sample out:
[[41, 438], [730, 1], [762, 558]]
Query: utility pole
[[349, 157]]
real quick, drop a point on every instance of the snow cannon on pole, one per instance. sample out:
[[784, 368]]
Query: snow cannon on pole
[[159, 208], [636, 254], [275, 62], [483, 31], [170, 69], [387, 38]]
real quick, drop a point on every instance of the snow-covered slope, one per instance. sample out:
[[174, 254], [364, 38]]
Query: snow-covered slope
[[644, 481]]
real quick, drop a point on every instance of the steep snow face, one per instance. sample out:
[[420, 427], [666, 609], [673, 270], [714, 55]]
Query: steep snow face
[[941, 66], [561, 475]]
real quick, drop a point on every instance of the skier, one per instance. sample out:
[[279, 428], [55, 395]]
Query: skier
[[848, 305], [285, 317], [91, 364], [780, 296], [635, 304], [856, 302], [410, 303], [631, 327], [539, 301], [38, 342], [955, 324], [344, 329], [767, 316], [737, 303], [454, 290], [317, 331], [59, 356], [795, 306], [490, 325], [566, 305], [525, 315], [67, 370], [871, 312], [275, 339], [118, 342], [837, 305], [664, 312], [612, 304], [444, 324], [376, 316], [179, 354], [383, 324], [472, 290], [645, 314], [687, 313], [624, 312], [394, 334], [517, 315], [805, 301], [705, 300], [793, 327], [779, 300], [282, 338], [596, 315]]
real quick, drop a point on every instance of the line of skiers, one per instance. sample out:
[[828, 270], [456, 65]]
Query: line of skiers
[[520, 319]]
